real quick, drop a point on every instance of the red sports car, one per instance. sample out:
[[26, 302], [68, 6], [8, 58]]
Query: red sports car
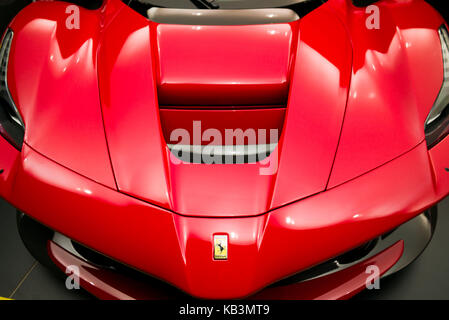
[[221, 149]]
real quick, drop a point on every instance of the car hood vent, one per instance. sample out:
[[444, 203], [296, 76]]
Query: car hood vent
[[221, 17], [167, 77], [208, 65]]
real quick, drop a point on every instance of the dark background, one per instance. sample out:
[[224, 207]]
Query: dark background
[[21, 277]]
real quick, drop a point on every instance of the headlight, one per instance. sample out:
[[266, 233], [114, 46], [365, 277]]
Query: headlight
[[11, 123], [437, 122]]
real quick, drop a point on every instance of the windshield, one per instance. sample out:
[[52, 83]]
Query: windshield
[[301, 7], [221, 4]]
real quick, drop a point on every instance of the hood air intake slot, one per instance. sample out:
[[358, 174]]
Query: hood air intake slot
[[221, 17]]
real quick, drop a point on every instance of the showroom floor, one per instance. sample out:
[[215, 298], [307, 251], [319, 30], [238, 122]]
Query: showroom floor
[[21, 277]]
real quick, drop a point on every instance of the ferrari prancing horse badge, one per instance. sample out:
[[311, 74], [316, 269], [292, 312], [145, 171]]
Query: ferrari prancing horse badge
[[220, 247]]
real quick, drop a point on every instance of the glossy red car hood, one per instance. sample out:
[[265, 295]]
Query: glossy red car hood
[[123, 74], [175, 66]]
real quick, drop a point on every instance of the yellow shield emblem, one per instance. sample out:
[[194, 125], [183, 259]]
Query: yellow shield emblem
[[220, 247]]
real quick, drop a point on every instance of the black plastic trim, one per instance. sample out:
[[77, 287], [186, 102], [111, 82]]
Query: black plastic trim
[[363, 3], [86, 4]]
